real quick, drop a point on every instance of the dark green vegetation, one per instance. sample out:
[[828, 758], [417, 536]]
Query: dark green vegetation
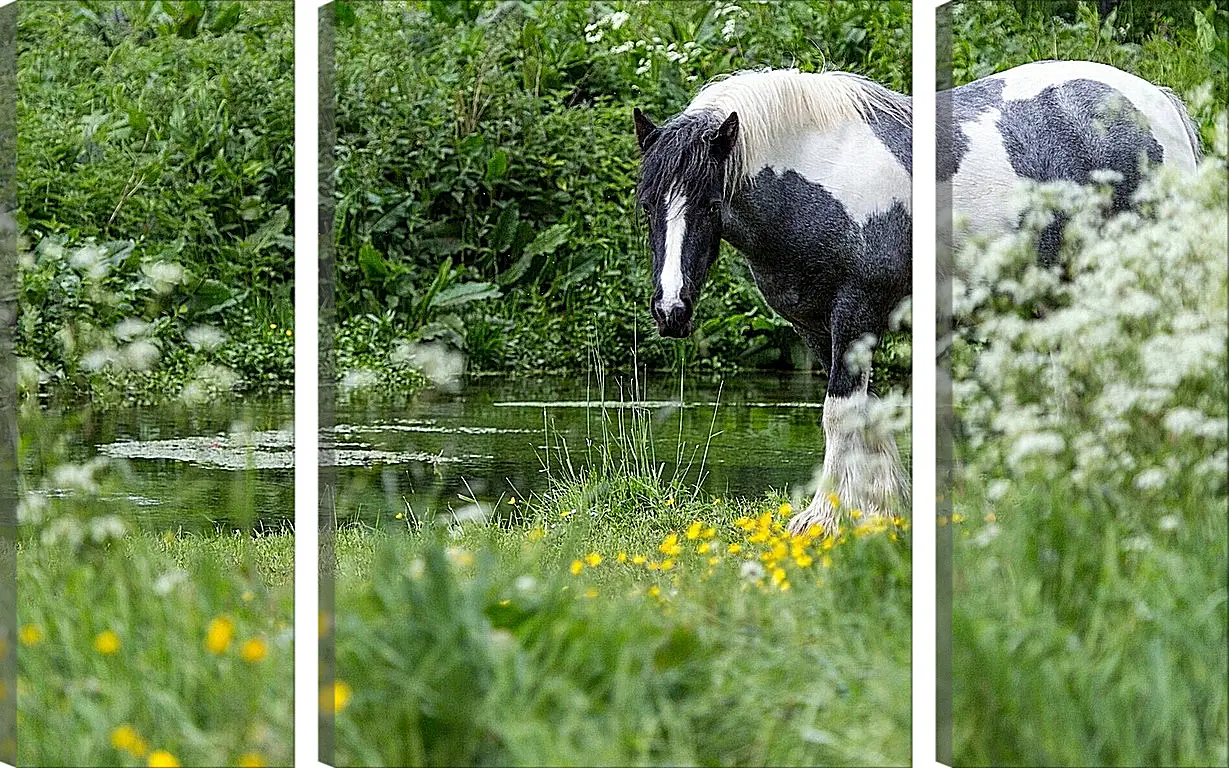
[[155, 187], [487, 164]]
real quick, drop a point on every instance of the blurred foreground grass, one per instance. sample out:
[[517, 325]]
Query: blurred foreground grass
[[157, 651], [622, 621]]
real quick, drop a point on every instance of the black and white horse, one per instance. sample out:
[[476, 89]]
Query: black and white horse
[[1052, 121], [808, 176]]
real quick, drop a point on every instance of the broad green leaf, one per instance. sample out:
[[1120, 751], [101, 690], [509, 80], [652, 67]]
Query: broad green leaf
[[463, 293]]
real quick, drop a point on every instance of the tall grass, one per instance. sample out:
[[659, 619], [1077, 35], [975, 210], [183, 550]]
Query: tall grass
[[155, 649]]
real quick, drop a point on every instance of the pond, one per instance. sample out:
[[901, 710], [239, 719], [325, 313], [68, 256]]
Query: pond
[[200, 468], [441, 452], [230, 464]]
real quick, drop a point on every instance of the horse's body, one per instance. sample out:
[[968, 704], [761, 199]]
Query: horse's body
[[809, 177], [1051, 121]]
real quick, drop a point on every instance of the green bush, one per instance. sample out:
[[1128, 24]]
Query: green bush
[[496, 139], [156, 134]]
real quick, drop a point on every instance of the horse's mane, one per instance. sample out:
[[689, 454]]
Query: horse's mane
[[772, 102]]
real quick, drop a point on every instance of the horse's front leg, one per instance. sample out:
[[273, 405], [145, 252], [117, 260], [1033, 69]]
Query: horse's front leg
[[862, 468]]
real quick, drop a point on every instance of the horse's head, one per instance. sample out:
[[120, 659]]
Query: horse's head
[[682, 184]]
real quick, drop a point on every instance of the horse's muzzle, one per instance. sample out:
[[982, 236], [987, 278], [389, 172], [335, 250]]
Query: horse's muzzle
[[675, 322]]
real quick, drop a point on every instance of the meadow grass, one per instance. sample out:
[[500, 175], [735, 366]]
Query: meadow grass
[[621, 620], [158, 650]]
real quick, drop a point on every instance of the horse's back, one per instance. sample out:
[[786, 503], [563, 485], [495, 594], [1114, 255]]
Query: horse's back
[[1058, 121]]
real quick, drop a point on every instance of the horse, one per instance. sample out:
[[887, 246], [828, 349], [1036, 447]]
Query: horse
[[1051, 121], [809, 177]]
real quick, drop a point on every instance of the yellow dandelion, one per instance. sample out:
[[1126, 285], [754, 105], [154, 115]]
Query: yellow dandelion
[[778, 575], [621, 557], [273, 326], [577, 567], [639, 559], [593, 559], [957, 518], [855, 514], [567, 513], [671, 545], [654, 591], [708, 533], [704, 548], [252, 759], [734, 549], [714, 560], [162, 759], [834, 501], [653, 566], [784, 585], [30, 635], [512, 501], [219, 634], [399, 515], [289, 332], [536, 534], [804, 560], [106, 643], [745, 523], [667, 564], [670, 502], [254, 650], [785, 509], [248, 595], [125, 738], [341, 695], [991, 517], [694, 530]]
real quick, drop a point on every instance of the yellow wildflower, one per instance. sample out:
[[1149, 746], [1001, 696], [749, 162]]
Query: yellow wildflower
[[621, 557], [254, 650], [714, 560], [126, 739], [778, 575], [804, 560], [957, 518], [106, 643], [248, 596], [219, 634], [577, 567], [671, 545], [30, 635], [639, 560], [536, 534], [341, 695], [704, 548], [990, 517], [855, 514], [512, 501], [708, 533], [654, 590], [252, 760], [693, 530], [593, 559], [785, 509], [734, 549], [567, 513], [834, 501], [667, 564], [162, 759], [653, 565], [670, 502]]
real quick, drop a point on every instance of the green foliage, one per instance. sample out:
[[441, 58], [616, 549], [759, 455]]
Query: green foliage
[[497, 138], [158, 596], [162, 131]]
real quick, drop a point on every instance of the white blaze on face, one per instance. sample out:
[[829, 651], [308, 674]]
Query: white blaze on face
[[672, 269]]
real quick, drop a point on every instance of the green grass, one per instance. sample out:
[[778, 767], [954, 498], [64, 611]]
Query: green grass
[[1090, 630], [158, 596], [514, 644]]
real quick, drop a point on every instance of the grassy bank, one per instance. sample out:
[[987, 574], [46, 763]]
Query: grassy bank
[[618, 621], [157, 648]]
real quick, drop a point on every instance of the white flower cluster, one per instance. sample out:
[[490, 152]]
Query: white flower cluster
[[1116, 370]]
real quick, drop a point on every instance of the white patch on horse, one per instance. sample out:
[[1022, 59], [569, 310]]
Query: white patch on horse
[[775, 105], [861, 466], [672, 269], [984, 195], [1168, 127], [852, 164]]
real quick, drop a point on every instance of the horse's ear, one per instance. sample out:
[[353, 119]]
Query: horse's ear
[[726, 137], [645, 130]]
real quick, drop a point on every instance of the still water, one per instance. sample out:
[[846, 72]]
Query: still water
[[230, 465], [741, 435]]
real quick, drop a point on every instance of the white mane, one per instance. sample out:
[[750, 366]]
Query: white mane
[[772, 103]]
